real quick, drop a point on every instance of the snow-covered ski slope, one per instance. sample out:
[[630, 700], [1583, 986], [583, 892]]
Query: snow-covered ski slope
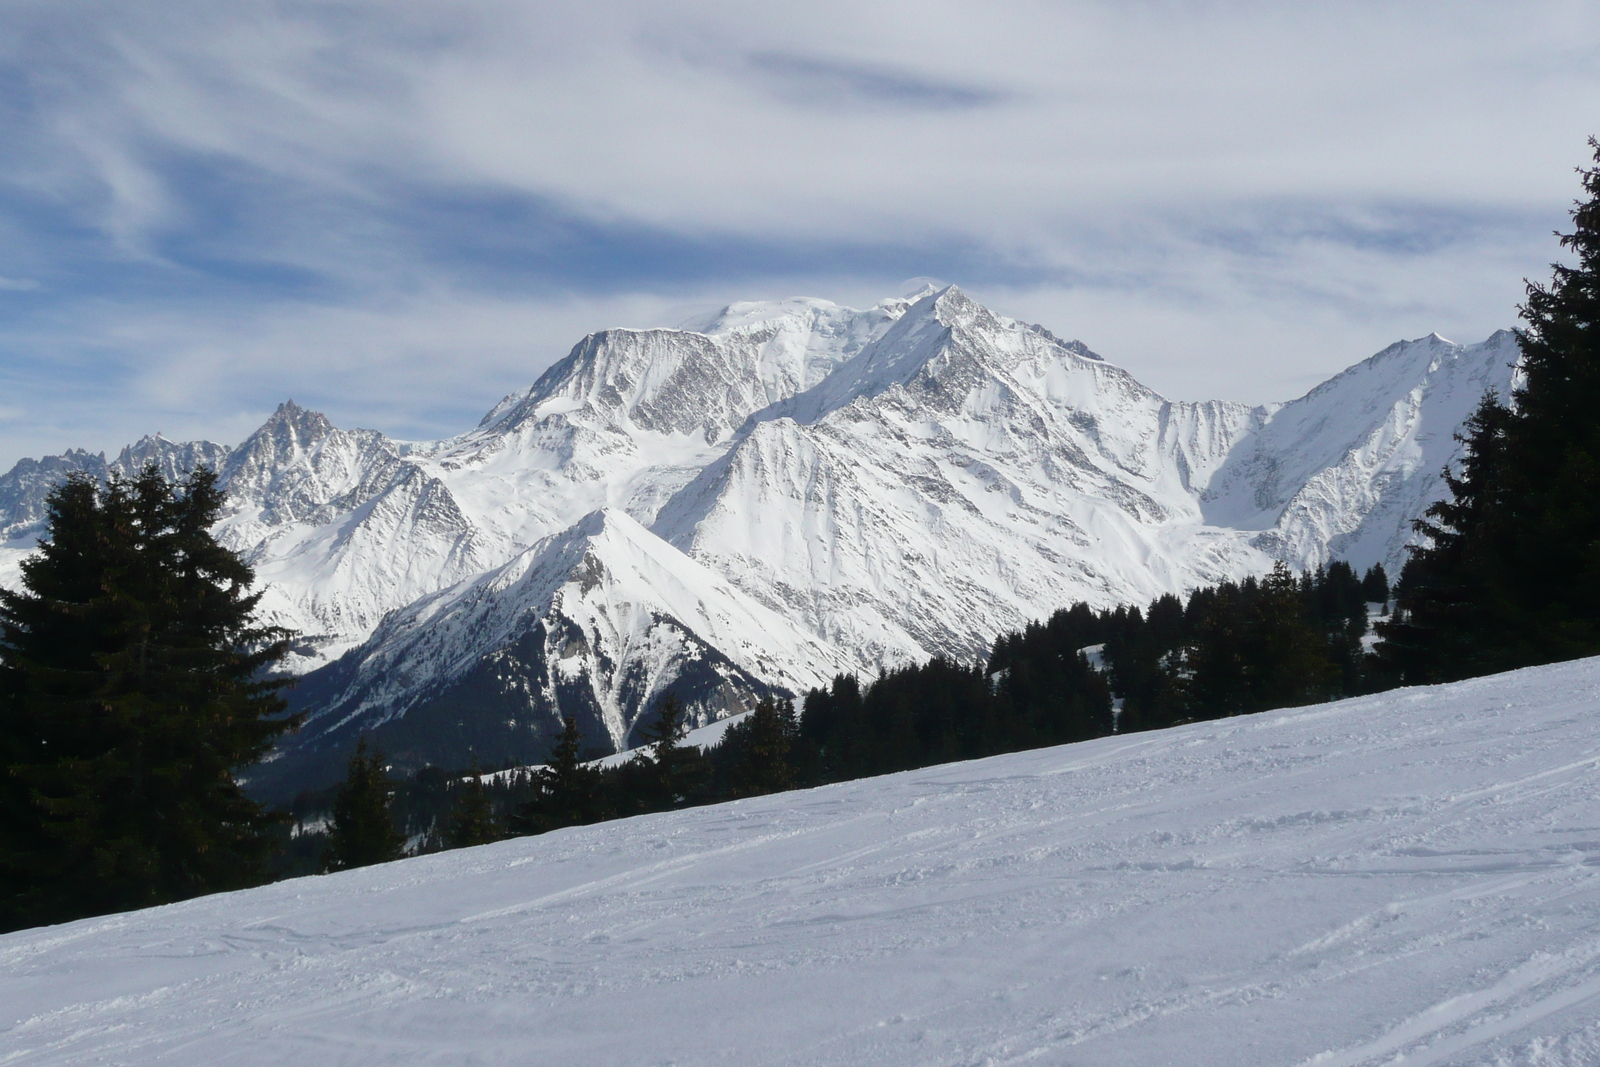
[[1407, 879]]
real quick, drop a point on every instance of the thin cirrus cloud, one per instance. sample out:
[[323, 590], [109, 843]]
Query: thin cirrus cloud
[[398, 212], [831, 83]]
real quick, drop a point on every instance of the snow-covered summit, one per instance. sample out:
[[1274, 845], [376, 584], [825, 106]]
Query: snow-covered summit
[[1340, 472], [706, 380], [939, 336], [961, 473], [888, 483]]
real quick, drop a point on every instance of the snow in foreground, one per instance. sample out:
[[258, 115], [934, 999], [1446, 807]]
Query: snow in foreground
[[1407, 879]]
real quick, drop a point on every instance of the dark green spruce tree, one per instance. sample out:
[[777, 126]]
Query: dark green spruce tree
[[674, 772], [132, 688], [1452, 616], [1511, 572], [362, 831], [756, 752], [1552, 516], [472, 820], [1257, 647], [1375, 585], [566, 792]]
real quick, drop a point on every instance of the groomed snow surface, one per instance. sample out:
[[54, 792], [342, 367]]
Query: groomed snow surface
[[1412, 878]]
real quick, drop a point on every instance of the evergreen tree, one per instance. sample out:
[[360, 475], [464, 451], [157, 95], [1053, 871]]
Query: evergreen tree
[[1375, 585], [1256, 647], [1546, 530], [832, 725], [1215, 661], [1288, 658], [1451, 619], [1338, 604], [472, 820], [1046, 694], [132, 687], [1141, 652], [674, 772], [363, 830], [932, 713], [565, 792], [756, 750], [1510, 575]]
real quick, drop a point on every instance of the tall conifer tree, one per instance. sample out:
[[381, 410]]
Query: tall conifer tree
[[363, 830], [758, 747], [675, 771], [566, 791], [1511, 575], [1551, 521], [472, 819], [132, 687]]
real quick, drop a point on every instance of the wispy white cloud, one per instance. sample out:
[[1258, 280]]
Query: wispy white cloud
[[388, 208]]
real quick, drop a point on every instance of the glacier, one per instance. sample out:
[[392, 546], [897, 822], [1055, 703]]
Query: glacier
[[840, 489], [1409, 878]]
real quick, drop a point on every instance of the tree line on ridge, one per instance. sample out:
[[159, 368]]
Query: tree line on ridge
[[1278, 641]]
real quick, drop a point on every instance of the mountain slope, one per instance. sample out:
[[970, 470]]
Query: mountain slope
[[1409, 878], [964, 475], [342, 529], [596, 622], [888, 484], [1341, 472], [344, 526]]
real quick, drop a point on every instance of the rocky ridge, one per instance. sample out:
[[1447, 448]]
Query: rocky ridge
[[786, 490]]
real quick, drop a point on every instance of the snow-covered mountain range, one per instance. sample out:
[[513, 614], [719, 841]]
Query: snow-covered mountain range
[[782, 491]]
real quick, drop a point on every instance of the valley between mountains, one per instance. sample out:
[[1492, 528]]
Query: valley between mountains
[[748, 505]]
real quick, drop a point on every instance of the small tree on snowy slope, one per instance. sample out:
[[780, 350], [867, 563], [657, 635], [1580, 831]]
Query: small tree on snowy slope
[[363, 831], [472, 821], [566, 793]]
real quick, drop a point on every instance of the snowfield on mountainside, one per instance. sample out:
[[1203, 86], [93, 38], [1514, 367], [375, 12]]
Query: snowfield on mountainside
[[1406, 879], [880, 486]]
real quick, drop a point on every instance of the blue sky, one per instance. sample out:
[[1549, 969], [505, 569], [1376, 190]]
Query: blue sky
[[398, 212]]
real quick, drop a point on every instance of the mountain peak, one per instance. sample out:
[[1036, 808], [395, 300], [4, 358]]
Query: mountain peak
[[948, 307], [289, 430], [304, 424], [920, 335], [701, 382], [175, 459], [915, 289]]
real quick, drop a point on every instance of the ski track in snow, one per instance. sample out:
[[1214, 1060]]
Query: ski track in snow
[[1408, 879]]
